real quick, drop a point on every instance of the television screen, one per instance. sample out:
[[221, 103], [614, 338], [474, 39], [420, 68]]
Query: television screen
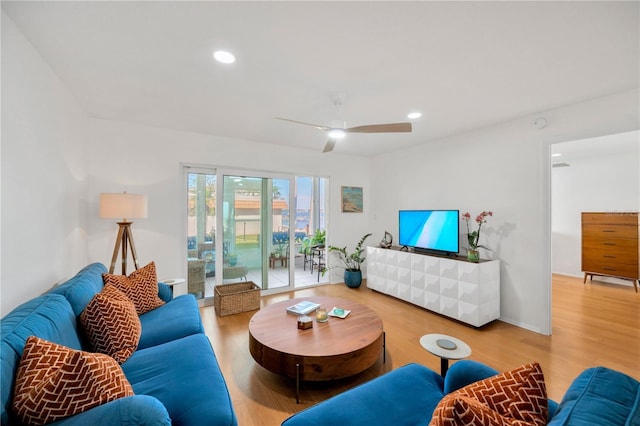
[[430, 229]]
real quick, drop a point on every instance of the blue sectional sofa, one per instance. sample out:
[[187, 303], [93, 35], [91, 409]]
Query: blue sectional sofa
[[174, 372], [409, 395]]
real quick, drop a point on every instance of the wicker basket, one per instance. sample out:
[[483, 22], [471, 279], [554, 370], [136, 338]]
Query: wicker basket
[[229, 299]]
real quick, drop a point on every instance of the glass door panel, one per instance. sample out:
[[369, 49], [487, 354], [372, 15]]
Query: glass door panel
[[310, 223], [255, 217], [279, 229], [201, 233], [242, 228]]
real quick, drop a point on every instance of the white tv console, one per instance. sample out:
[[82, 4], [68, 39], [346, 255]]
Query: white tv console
[[451, 286]]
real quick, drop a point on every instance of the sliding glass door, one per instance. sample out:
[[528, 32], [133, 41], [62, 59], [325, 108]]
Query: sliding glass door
[[242, 227]]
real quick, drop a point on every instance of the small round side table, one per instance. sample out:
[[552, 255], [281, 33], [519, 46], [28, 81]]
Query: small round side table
[[445, 347], [173, 282]]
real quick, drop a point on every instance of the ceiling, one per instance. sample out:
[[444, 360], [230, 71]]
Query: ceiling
[[627, 143], [464, 65]]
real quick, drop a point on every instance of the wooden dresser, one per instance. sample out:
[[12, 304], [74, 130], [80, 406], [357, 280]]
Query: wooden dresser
[[610, 246]]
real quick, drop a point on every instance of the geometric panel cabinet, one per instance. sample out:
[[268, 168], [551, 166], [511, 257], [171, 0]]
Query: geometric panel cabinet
[[451, 286]]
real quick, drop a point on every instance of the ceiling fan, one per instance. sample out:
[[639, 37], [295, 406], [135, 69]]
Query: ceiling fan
[[338, 130]]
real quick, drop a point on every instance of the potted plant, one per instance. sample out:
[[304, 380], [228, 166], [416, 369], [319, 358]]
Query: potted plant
[[232, 259], [278, 252], [473, 255], [319, 238], [351, 262]]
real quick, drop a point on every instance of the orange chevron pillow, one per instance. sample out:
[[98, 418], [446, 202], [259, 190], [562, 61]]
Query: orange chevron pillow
[[111, 323], [54, 382], [462, 410], [140, 286], [516, 397]]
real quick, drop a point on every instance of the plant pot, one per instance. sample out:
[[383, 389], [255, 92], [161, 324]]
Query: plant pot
[[352, 279], [473, 255]]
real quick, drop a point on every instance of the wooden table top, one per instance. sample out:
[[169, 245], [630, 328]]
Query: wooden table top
[[276, 329]]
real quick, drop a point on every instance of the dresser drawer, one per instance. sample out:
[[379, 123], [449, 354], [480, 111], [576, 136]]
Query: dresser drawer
[[610, 218], [611, 268], [609, 243], [610, 231], [610, 254]]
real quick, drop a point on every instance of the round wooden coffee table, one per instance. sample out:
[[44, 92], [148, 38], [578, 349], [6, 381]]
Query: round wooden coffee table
[[331, 350]]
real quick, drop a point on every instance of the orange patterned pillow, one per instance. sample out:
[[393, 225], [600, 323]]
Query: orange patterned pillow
[[462, 410], [54, 382], [111, 323], [518, 396], [140, 286]]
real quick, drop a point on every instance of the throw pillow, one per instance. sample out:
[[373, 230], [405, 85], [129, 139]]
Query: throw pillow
[[54, 382], [111, 323], [519, 395], [457, 410], [140, 286]]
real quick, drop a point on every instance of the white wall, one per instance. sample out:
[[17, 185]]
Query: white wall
[[147, 160], [609, 183], [504, 168], [43, 174]]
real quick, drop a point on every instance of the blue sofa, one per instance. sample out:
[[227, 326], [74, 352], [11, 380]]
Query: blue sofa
[[409, 395], [174, 372]]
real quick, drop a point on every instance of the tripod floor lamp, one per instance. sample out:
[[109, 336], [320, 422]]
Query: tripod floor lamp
[[123, 206]]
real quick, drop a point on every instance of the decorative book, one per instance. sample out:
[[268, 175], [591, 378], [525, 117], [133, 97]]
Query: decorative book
[[303, 308]]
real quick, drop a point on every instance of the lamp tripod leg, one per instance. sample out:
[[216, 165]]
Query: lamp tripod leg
[[116, 249], [134, 254], [125, 242]]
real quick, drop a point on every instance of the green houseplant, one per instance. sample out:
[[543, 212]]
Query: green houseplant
[[351, 262], [319, 238]]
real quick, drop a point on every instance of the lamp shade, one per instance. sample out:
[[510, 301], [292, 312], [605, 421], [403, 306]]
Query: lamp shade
[[123, 206]]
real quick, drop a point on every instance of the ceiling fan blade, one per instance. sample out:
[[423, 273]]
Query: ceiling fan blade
[[381, 128], [328, 147], [302, 122]]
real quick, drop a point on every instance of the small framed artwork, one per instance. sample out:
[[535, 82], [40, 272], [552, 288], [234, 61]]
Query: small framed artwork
[[351, 199]]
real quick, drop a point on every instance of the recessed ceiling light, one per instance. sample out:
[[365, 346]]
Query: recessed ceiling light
[[224, 57], [556, 155], [414, 115]]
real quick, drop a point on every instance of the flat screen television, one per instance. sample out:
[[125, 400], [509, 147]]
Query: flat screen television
[[430, 230]]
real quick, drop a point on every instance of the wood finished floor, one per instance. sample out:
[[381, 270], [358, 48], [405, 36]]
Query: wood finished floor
[[593, 324]]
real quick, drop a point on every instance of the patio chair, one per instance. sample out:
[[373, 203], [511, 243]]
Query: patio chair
[[196, 276]]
